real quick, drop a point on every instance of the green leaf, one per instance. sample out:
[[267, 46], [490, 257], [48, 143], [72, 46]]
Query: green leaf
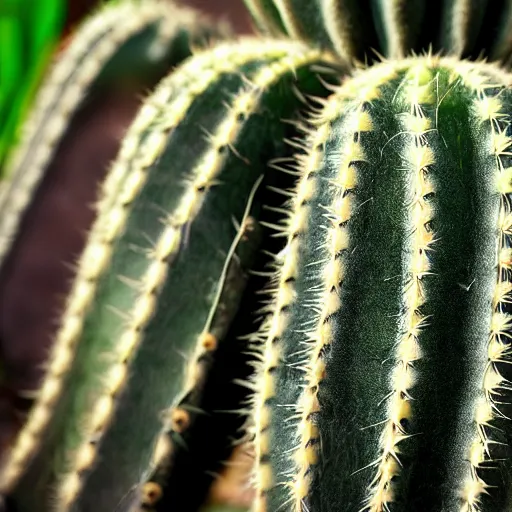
[[29, 32]]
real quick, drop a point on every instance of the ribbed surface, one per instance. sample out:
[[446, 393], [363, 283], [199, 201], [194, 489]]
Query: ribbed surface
[[147, 303], [394, 28], [386, 357], [100, 48]]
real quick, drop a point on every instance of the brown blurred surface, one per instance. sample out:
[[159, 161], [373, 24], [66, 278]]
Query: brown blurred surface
[[230, 10]]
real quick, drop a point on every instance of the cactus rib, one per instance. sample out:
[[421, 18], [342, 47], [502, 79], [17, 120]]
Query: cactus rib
[[356, 376], [337, 24], [135, 264], [282, 337]]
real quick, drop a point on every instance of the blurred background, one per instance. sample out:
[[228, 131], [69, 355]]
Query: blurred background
[[39, 270]]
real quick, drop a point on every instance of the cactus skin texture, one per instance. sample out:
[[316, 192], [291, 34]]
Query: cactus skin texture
[[354, 29], [383, 379], [388, 354], [160, 279]]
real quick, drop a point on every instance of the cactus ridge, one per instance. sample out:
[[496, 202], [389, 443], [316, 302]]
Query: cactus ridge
[[418, 91], [287, 325], [95, 46], [136, 262], [317, 340], [244, 103], [394, 28], [334, 24], [491, 111], [119, 189], [177, 419]]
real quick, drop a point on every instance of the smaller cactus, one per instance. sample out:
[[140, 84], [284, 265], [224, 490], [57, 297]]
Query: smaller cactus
[[120, 41], [115, 55]]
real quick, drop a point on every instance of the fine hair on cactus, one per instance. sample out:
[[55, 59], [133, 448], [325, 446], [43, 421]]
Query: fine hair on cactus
[[292, 251]]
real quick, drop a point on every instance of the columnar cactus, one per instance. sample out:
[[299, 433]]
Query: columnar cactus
[[387, 352], [121, 42], [382, 358], [358, 29], [163, 272]]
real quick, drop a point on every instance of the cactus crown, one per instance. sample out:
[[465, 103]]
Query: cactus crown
[[310, 258]]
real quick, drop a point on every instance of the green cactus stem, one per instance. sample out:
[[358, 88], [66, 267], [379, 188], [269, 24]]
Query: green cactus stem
[[385, 385], [219, 407], [119, 42], [200, 431], [144, 308], [358, 29]]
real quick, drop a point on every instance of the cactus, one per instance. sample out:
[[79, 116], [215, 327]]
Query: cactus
[[117, 54], [120, 43], [161, 277], [382, 357], [356, 29], [387, 352]]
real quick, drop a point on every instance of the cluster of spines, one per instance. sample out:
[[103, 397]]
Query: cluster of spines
[[418, 91], [489, 112], [64, 90]]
